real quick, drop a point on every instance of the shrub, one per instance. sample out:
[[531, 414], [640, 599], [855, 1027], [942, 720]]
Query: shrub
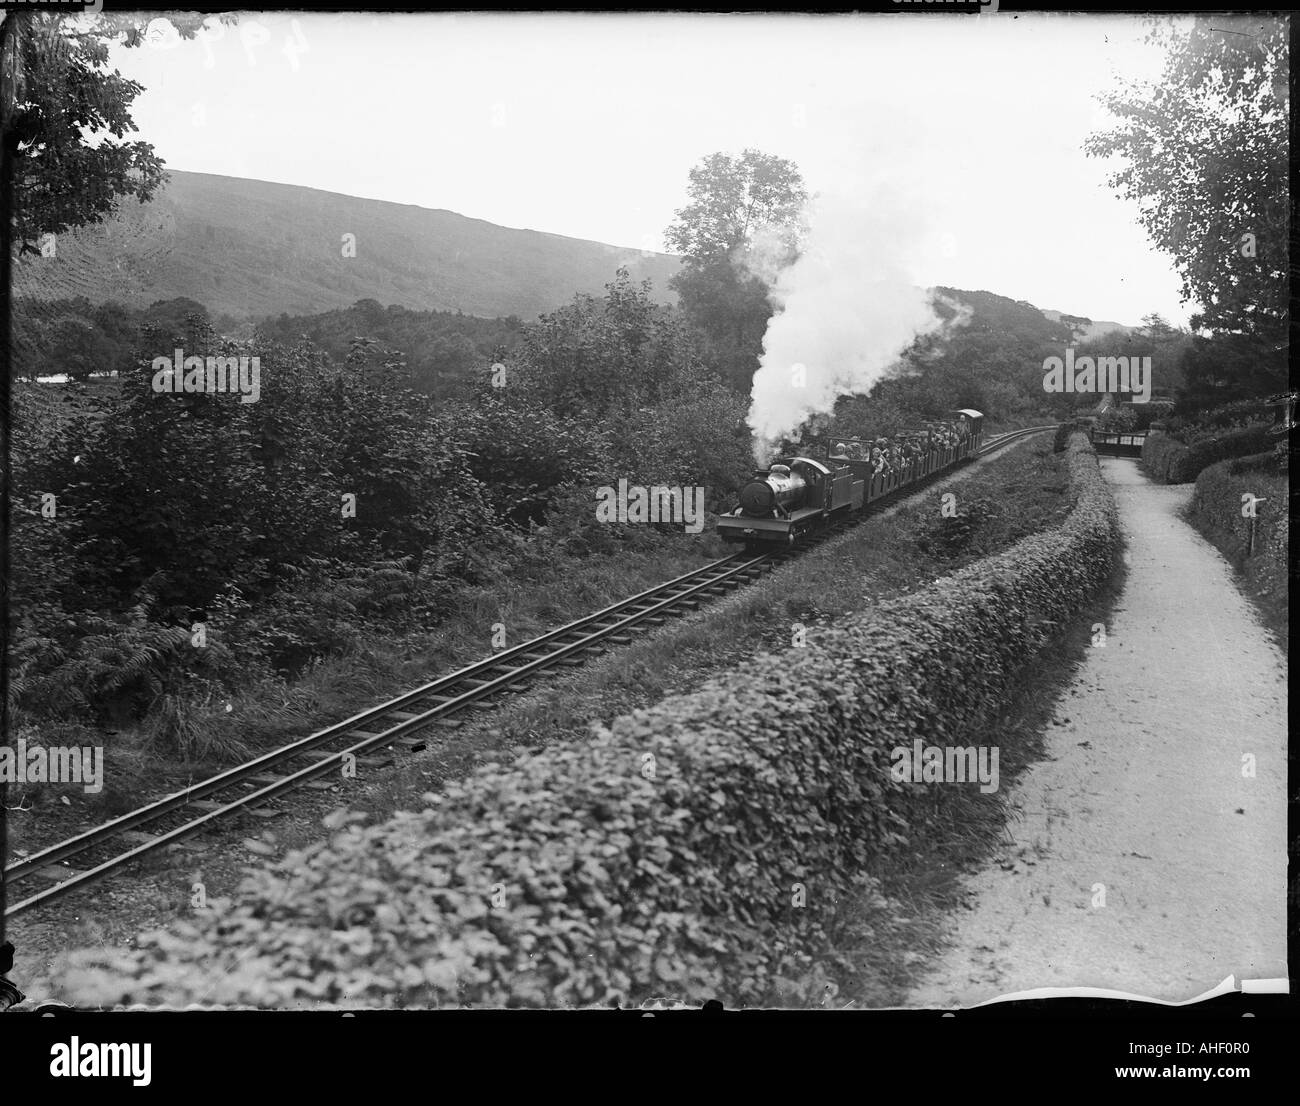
[[1174, 462], [522, 452], [1061, 441], [1120, 419], [1227, 416], [1159, 452], [1257, 546], [951, 536], [661, 855]]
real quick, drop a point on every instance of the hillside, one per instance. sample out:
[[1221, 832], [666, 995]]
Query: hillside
[[1085, 329], [251, 248]]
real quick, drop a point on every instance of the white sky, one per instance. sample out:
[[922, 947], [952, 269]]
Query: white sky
[[588, 125]]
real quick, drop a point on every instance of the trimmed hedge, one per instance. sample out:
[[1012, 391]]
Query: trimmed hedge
[[1216, 508], [1061, 440], [659, 857], [1171, 461]]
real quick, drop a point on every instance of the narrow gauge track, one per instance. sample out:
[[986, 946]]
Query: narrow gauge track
[[248, 787]]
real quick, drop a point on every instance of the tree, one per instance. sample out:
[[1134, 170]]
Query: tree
[[729, 309], [744, 218], [78, 349], [1205, 154], [64, 115], [732, 199], [607, 358]]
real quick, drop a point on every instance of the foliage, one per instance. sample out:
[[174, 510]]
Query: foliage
[[1061, 439], [64, 115], [1120, 419], [196, 507], [164, 501], [1230, 368], [1173, 461], [578, 876], [522, 451], [1258, 546], [951, 535], [733, 200], [1226, 416], [729, 309], [608, 358], [616, 388], [1204, 155], [698, 436], [751, 204], [443, 348], [988, 356], [1166, 346], [80, 339]]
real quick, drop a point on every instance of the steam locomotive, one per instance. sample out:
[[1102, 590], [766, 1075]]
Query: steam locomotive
[[799, 494]]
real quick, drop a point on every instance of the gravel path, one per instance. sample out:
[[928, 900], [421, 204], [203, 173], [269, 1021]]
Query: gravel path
[[1141, 797]]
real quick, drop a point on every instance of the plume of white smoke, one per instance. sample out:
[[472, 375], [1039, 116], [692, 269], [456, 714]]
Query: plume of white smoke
[[845, 310]]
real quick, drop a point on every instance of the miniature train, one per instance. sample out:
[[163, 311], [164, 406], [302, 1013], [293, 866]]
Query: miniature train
[[798, 494]]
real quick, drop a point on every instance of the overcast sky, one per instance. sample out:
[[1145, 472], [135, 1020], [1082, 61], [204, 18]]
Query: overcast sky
[[588, 125]]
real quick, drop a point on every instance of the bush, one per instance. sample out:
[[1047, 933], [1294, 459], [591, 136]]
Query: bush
[[1120, 419], [661, 855], [951, 536], [1159, 452], [1227, 416], [522, 452], [1061, 442], [1172, 461], [1258, 547], [1150, 413]]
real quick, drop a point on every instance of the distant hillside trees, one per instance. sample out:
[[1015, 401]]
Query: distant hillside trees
[[442, 349], [1167, 346], [736, 204], [988, 356], [81, 339], [1204, 155]]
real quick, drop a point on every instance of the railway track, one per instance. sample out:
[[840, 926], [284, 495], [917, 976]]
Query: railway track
[[249, 788]]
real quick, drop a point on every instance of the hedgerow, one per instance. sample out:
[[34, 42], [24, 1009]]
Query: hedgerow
[[667, 853], [1173, 461], [1061, 439], [1258, 544]]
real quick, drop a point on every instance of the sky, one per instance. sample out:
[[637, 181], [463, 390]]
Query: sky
[[970, 127]]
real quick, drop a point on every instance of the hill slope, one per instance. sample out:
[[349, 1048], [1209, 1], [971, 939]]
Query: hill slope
[[247, 247], [1085, 329]]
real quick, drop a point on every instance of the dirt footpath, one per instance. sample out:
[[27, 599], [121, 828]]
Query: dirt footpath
[[1142, 859]]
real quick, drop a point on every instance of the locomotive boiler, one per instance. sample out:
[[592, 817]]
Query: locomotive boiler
[[778, 487]]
